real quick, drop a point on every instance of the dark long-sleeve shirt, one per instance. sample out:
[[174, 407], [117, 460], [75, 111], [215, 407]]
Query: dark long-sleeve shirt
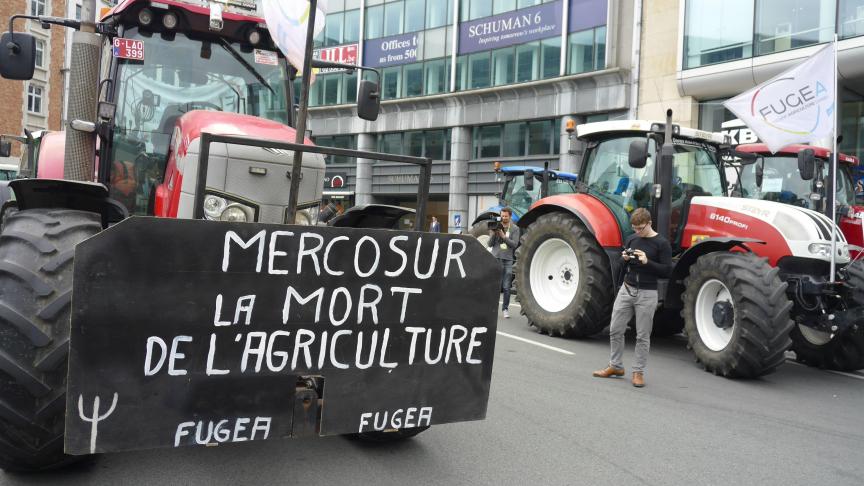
[[505, 248], [659, 265]]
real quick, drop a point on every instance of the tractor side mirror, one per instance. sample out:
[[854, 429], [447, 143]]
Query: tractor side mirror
[[529, 180], [806, 163], [760, 174], [368, 100], [5, 149], [638, 154], [17, 56]]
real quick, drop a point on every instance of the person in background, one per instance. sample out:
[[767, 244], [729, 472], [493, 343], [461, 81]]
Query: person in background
[[503, 240], [650, 259], [435, 226]]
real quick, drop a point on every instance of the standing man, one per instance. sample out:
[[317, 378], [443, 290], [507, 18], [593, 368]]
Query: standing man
[[435, 227], [647, 256], [503, 240]]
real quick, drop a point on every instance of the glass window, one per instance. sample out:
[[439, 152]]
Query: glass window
[[609, 177], [556, 136], [438, 13], [787, 24], [37, 7], [461, 73], [527, 62], [540, 137], [488, 141], [375, 22], [518, 196], [435, 42], [600, 48], [528, 3], [391, 143], [712, 115], [581, 52], [503, 65], [333, 29], [717, 31], [413, 80], [414, 144], [501, 6], [479, 9], [331, 88], [415, 9], [40, 53], [351, 33], [551, 57], [436, 76], [350, 95], [514, 140], [478, 70], [391, 82], [34, 98], [393, 13], [851, 18], [436, 144]]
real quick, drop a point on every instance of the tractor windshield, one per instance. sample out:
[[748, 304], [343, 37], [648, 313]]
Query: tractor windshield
[[782, 182], [519, 198], [180, 74], [622, 188]]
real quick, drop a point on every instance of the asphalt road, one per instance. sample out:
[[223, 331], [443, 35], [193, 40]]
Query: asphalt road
[[550, 422]]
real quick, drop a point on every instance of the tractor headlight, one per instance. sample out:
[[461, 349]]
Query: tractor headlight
[[220, 207], [306, 215], [820, 249]]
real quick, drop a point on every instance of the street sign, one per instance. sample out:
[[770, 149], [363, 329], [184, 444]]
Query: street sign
[[457, 220], [198, 332]]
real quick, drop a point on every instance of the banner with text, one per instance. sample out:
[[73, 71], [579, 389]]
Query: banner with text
[[507, 29], [198, 332], [346, 54], [391, 51]]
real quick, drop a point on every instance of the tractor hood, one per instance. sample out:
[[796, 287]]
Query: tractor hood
[[806, 232]]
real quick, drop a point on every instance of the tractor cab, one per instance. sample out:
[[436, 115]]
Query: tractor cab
[[167, 60], [607, 173], [523, 186]]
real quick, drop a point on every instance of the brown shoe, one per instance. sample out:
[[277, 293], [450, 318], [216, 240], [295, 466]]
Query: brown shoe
[[609, 372], [638, 379]]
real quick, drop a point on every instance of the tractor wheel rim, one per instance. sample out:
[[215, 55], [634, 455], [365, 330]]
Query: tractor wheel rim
[[713, 336], [814, 337], [484, 240], [554, 275]]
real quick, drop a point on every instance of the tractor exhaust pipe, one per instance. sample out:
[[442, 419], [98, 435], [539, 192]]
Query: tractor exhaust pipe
[[663, 193], [83, 96]]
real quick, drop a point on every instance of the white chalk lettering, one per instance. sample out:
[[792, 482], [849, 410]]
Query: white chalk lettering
[[374, 265], [364, 304], [455, 342], [149, 369], [274, 238], [291, 293], [333, 300], [429, 359], [312, 253], [336, 336], [211, 354], [385, 346], [327, 268], [212, 432], [255, 350], [177, 355], [413, 350], [417, 273], [474, 343], [396, 419], [231, 236], [372, 345], [455, 256], [279, 354], [405, 291], [244, 305], [402, 254], [217, 316], [302, 344]]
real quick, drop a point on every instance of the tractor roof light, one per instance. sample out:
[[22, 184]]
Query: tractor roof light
[[254, 37], [145, 17], [169, 20], [570, 125]]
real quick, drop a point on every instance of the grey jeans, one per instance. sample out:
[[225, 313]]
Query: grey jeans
[[643, 303]]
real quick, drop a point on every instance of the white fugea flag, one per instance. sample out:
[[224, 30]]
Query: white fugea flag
[[287, 21], [795, 106]]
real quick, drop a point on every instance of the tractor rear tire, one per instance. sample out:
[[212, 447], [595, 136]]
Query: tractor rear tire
[[736, 314], [564, 278], [36, 252], [846, 351]]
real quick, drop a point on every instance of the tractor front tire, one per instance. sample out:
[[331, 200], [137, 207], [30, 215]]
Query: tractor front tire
[[736, 314], [564, 278], [36, 251], [844, 352]]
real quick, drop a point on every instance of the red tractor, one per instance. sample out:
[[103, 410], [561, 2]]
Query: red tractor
[[794, 176], [745, 271], [185, 109]]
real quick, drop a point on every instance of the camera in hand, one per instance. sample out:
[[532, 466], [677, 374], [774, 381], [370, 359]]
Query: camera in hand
[[631, 253], [495, 224]]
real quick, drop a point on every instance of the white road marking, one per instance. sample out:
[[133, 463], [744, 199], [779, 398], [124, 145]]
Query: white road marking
[[535, 343], [841, 373]]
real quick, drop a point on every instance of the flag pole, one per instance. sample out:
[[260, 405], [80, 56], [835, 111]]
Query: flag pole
[[833, 204]]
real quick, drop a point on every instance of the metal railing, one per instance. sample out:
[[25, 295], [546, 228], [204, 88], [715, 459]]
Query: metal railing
[[207, 139]]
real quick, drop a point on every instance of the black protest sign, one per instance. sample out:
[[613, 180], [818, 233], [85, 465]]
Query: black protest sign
[[196, 332]]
